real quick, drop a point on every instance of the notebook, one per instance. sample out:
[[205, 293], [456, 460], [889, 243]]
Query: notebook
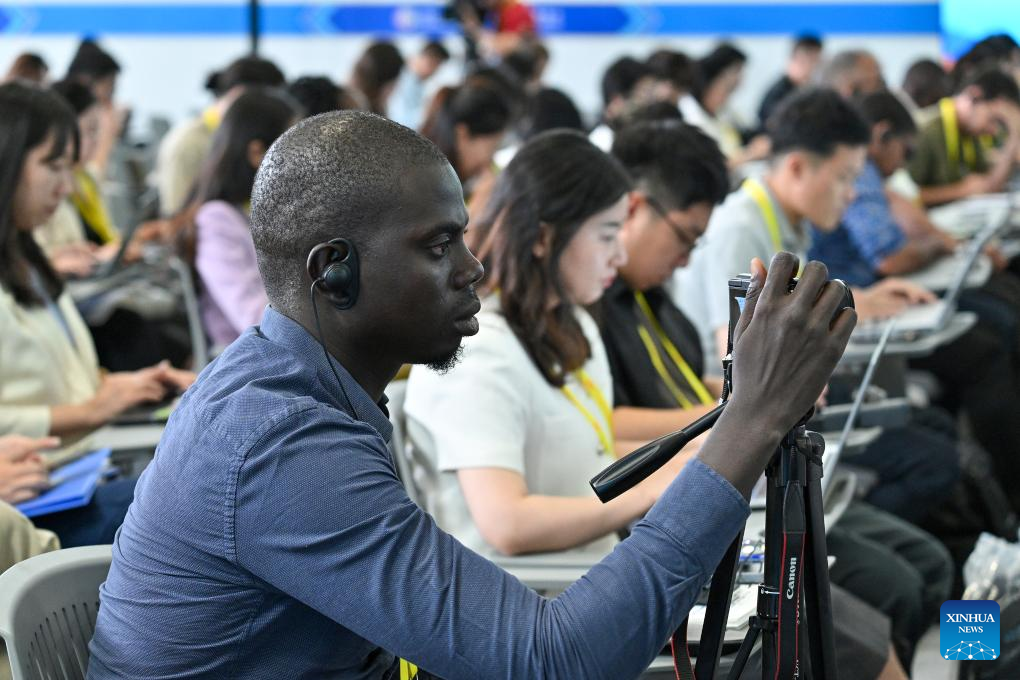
[[72, 485]]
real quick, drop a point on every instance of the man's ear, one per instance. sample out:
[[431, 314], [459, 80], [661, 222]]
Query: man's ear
[[797, 163], [880, 133], [461, 134], [635, 199]]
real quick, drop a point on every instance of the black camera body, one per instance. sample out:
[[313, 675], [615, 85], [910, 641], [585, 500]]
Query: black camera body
[[741, 282]]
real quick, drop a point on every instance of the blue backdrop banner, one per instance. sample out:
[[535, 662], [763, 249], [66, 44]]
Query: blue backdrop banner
[[418, 18]]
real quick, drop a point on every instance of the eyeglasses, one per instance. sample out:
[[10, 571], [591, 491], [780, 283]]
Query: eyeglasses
[[682, 234]]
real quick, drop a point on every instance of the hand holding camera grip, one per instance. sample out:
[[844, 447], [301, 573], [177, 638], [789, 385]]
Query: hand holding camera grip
[[630, 470]]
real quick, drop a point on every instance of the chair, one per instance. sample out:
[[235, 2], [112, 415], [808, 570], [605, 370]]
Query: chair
[[48, 609]]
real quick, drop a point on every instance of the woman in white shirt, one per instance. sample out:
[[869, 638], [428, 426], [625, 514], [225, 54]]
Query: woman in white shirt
[[522, 423], [50, 381]]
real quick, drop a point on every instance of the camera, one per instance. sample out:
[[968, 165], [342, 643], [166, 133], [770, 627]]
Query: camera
[[738, 293]]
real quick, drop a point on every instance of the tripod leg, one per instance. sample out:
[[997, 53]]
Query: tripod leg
[[744, 653], [717, 613], [816, 588]]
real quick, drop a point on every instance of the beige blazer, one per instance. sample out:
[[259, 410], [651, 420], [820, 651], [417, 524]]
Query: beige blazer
[[39, 367], [63, 229]]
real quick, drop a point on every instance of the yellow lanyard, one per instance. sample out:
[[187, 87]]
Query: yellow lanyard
[[408, 670], [89, 203], [592, 390], [952, 131], [653, 354], [211, 119], [757, 192]]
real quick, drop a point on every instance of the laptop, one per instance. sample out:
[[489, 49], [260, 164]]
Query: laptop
[[920, 320], [114, 263], [967, 217]]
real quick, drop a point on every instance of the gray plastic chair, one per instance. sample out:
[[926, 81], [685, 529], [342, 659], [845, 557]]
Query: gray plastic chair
[[48, 608]]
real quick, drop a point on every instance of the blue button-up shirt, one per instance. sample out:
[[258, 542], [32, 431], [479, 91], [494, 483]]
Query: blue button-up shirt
[[867, 235], [271, 538]]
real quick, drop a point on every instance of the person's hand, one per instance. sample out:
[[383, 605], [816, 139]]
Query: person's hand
[[786, 344], [174, 379], [153, 230], [934, 245], [23, 472], [977, 183], [1008, 114], [889, 297], [120, 391], [74, 260], [999, 260]]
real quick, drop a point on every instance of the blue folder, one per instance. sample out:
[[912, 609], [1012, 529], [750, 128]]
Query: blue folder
[[73, 485]]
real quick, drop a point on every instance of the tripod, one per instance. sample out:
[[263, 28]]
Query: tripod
[[794, 527]]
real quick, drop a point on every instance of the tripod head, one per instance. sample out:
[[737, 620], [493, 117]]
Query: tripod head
[[630, 470]]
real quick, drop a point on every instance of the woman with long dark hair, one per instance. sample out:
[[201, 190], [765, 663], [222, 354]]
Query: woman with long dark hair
[[50, 381], [233, 296], [517, 428]]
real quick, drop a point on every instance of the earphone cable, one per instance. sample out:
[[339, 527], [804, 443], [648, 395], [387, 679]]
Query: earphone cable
[[329, 358]]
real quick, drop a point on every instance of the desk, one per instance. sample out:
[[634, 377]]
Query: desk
[[128, 437]]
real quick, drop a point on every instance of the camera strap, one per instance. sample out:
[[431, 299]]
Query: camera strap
[[788, 624]]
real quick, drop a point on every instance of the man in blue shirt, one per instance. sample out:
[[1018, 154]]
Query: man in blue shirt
[[271, 537], [977, 369], [869, 242]]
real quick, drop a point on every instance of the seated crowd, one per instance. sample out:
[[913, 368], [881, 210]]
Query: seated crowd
[[585, 268]]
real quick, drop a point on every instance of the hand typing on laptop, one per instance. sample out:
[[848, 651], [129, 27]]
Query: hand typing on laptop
[[888, 298]]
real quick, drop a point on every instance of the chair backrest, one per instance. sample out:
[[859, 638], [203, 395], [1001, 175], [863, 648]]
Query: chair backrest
[[395, 393], [416, 472], [48, 609]]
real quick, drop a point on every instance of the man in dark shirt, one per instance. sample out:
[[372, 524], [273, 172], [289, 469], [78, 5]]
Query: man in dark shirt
[[804, 59], [271, 536]]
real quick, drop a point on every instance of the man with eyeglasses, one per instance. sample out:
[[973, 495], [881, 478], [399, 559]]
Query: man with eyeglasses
[[654, 352]]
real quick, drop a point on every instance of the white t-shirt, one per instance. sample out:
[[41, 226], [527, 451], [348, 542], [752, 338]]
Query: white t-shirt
[[494, 409]]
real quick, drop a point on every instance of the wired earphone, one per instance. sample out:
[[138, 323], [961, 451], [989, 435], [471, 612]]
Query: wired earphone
[[340, 278]]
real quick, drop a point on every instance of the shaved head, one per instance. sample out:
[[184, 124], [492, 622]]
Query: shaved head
[[335, 175]]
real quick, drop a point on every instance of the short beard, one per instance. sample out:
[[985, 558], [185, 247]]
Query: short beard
[[445, 364]]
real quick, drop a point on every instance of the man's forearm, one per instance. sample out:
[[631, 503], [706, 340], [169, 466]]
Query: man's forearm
[[945, 193], [740, 445]]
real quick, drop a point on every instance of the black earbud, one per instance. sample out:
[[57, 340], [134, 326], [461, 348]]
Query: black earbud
[[341, 274]]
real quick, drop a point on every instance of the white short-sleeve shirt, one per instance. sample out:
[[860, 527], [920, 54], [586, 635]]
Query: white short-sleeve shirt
[[495, 409]]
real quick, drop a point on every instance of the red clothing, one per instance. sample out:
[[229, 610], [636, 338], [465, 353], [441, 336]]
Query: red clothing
[[515, 17]]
